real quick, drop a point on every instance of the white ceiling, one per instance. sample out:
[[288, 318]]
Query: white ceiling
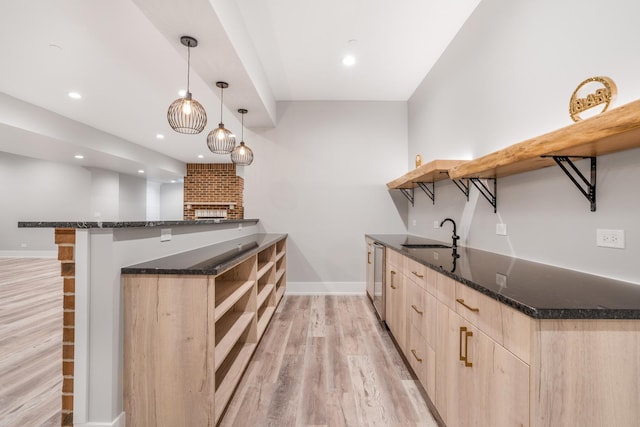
[[125, 58]]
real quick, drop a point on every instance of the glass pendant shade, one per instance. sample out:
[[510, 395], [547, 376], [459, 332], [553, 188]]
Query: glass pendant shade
[[242, 155], [186, 115], [221, 140]]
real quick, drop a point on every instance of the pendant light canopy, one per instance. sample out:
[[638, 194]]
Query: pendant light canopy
[[186, 115], [242, 155], [221, 140]]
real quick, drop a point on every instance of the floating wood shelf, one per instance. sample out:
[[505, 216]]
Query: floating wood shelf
[[609, 132], [422, 176], [433, 171], [612, 131]]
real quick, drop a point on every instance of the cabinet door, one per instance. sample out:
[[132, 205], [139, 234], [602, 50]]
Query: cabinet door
[[462, 386], [395, 310]]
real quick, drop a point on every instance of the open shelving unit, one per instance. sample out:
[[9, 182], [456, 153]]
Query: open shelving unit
[[610, 132], [205, 330]]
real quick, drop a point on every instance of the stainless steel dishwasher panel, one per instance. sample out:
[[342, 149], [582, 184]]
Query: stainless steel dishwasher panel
[[378, 280]]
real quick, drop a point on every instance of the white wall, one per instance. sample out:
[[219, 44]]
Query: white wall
[[171, 201], [38, 190], [35, 190], [506, 77], [320, 176], [153, 200], [132, 198]]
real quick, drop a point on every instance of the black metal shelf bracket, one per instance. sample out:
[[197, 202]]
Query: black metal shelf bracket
[[589, 189], [408, 193], [430, 192], [462, 186], [492, 197]]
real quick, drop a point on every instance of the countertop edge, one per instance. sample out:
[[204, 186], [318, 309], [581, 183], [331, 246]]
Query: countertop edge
[[535, 313], [131, 224], [213, 271]]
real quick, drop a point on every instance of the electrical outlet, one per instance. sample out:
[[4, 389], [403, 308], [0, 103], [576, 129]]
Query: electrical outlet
[[501, 229], [413, 222], [501, 280], [436, 224], [435, 255], [610, 238]]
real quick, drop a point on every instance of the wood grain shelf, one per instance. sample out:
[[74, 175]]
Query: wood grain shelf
[[263, 321], [263, 267], [228, 293], [232, 371], [612, 131], [279, 255], [233, 326], [264, 293], [279, 274], [433, 171], [279, 294]]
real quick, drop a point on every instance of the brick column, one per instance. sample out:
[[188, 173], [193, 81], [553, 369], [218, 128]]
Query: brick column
[[65, 238]]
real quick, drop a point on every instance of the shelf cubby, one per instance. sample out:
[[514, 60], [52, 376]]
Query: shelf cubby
[[228, 331], [229, 373]]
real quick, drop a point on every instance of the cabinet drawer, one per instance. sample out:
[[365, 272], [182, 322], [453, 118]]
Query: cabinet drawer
[[422, 359], [505, 325], [445, 290], [420, 274], [394, 258]]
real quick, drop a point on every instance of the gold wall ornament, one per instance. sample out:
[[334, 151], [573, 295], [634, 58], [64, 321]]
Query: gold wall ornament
[[603, 95], [418, 160]]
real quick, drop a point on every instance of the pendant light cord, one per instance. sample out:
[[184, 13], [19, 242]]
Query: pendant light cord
[[188, 66], [242, 131], [221, 102]]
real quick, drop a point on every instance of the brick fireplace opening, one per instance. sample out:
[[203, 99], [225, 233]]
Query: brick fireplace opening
[[213, 190]]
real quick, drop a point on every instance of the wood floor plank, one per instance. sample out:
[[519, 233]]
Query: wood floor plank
[[30, 342], [327, 361]]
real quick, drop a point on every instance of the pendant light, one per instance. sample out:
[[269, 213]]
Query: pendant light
[[186, 115], [221, 140], [242, 155]]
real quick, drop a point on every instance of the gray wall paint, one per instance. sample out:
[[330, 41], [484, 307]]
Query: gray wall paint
[[506, 77], [35, 190], [320, 176], [132, 198], [38, 190], [171, 201]]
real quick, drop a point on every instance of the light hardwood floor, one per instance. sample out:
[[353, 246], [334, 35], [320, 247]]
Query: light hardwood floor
[[30, 342], [327, 361]]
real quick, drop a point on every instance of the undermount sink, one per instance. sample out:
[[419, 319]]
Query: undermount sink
[[424, 245]]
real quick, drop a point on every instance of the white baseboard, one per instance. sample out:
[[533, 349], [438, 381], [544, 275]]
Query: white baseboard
[[325, 288], [118, 422], [28, 254]]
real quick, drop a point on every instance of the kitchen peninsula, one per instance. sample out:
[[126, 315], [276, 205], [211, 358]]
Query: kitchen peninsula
[[501, 341], [92, 255]]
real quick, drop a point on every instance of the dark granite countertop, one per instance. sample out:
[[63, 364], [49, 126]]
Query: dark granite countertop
[[539, 290], [207, 260], [129, 224]]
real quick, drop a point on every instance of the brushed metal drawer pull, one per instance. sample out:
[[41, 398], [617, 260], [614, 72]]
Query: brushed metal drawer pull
[[416, 309], [462, 331], [466, 348], [369, 257], [416, 356], [418, 275], [461, 301], [393, 274]]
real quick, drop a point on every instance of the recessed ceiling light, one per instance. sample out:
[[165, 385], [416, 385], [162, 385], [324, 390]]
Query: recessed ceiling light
[[79, 156], [348, 60], [182, 93], [140, 171], [160, 136], [200, 156], [75, 95], [173, 181]]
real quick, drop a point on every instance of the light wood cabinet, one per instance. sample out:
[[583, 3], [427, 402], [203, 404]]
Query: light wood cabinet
[[369, 268], [189, 338], [395, 315]]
